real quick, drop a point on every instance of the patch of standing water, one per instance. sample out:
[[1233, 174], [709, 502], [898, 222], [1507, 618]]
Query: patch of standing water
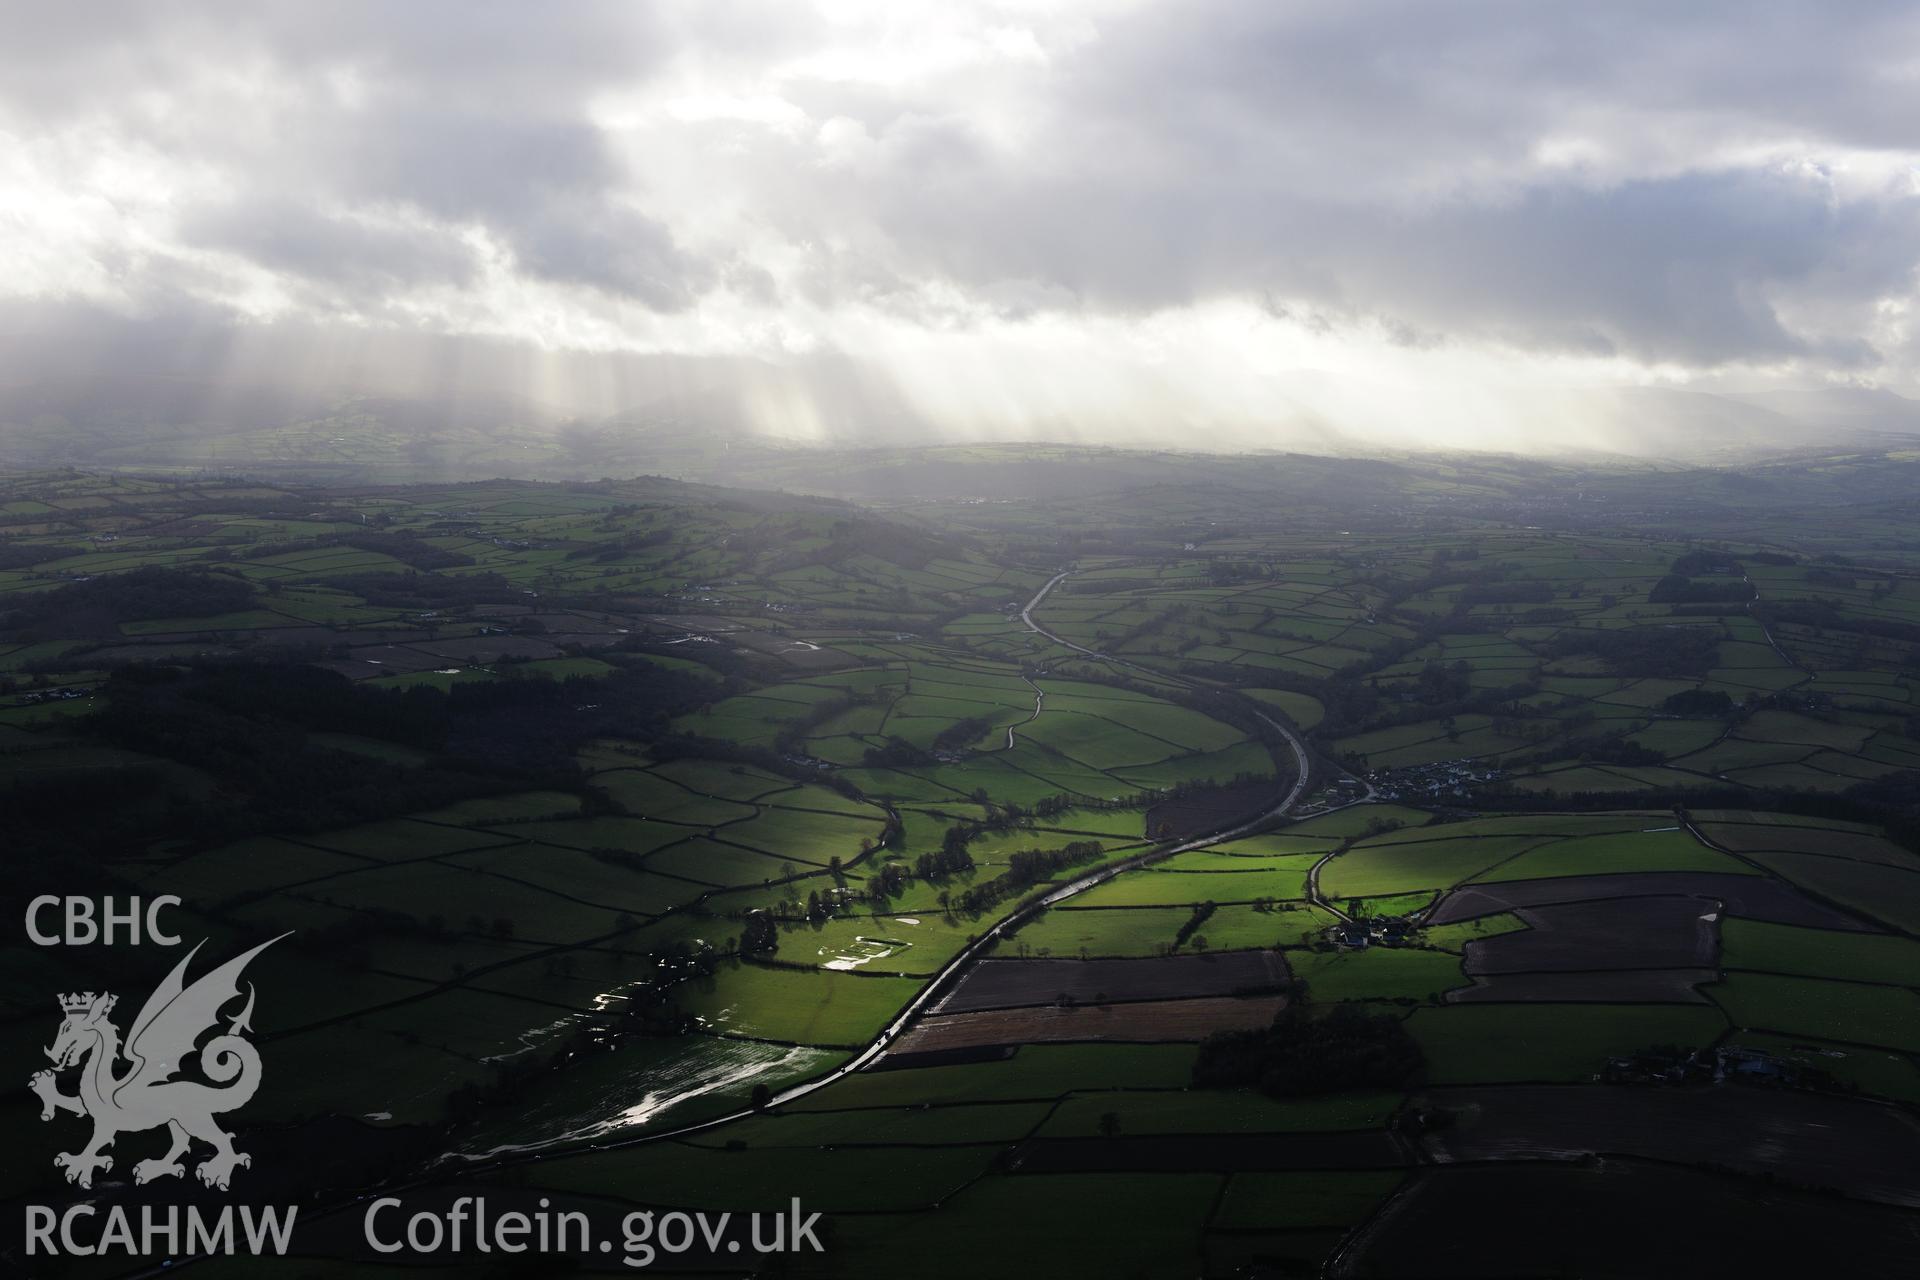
[[533, 1038], [625, 1101], [863, 951]]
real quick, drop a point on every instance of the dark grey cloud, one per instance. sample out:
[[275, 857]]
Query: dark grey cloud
[[453, 163], [288, 236], [613, 249], [546, 187]]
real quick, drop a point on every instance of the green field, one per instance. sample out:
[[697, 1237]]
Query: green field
[[597, 808]]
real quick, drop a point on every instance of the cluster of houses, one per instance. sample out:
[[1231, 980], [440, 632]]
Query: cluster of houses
[[1731, 1064], [1379, 931], [1440, 780], [35, 697]]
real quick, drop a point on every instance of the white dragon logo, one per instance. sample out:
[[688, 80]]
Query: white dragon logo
[[146, 1096]]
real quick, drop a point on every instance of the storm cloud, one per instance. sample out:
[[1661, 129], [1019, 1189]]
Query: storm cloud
[[1210, 196]]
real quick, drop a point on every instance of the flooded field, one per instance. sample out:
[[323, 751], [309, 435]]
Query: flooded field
[[654, 1084]]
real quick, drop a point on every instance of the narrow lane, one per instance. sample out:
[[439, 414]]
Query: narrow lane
[[1767, 631], [1039, 705]]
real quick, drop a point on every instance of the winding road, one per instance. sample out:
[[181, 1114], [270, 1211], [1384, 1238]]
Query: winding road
[[452, 1166], [1302, 762], [973, 950], [945, 978]]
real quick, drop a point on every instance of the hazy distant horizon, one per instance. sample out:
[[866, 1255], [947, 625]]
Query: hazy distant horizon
[[97, 373]]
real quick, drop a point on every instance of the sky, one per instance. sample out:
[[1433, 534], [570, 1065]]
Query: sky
[[1220, 220]]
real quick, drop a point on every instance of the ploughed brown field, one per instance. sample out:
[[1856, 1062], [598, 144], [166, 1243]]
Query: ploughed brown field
[[1143, 1022], [1625, 950], [1610, 986], [1009, 984], [1623, 933]]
